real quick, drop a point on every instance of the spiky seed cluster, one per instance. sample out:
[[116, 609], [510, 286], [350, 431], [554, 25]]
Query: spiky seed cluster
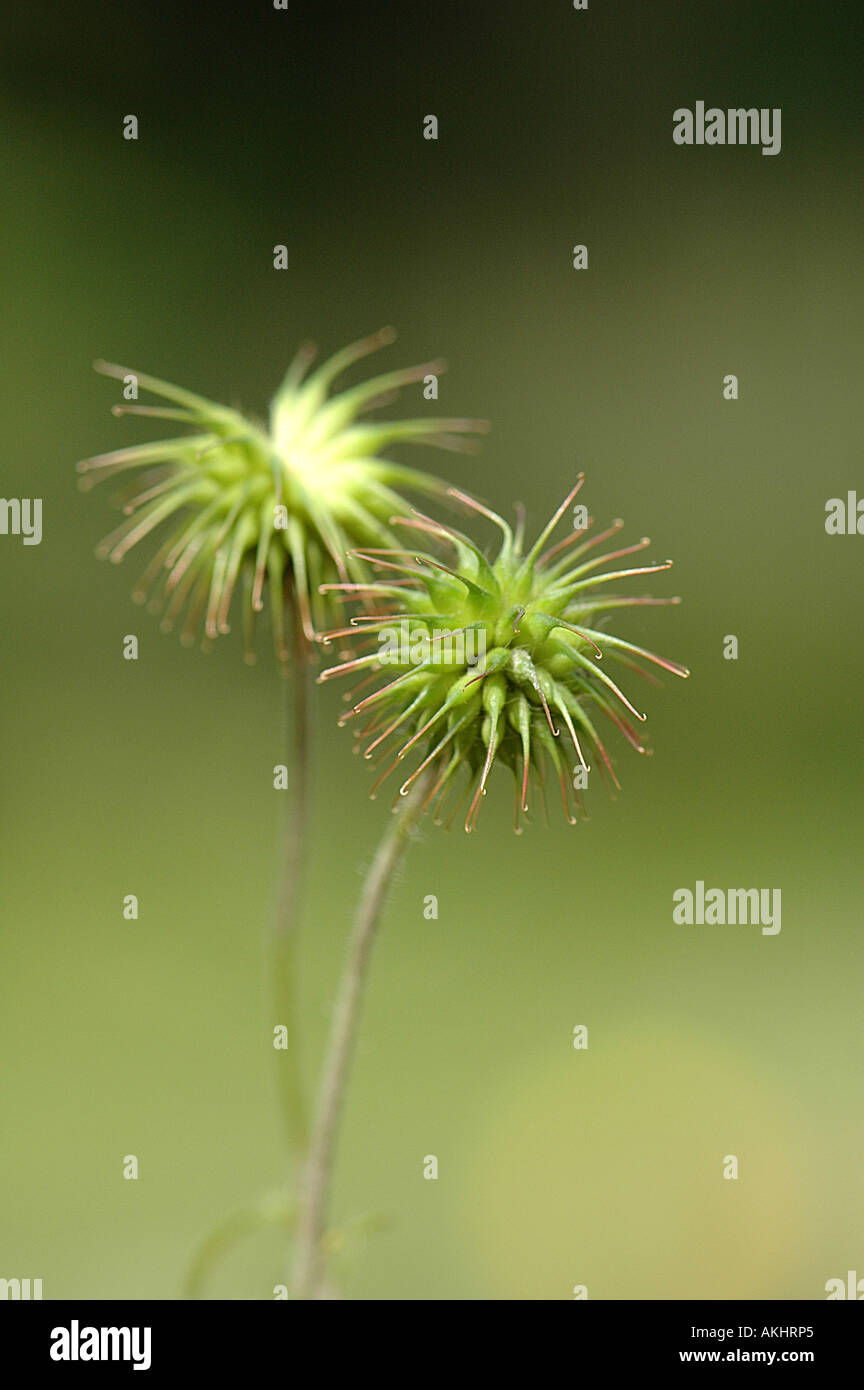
[[534, 615], [276, 508]]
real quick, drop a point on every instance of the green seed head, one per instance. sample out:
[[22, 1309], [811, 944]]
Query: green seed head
[[268, 509], [495, 661]]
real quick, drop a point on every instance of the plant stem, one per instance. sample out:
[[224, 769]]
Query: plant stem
[[297, 735], [312, 1218]]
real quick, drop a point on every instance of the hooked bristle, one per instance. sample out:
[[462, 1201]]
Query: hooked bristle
[[446, 710]]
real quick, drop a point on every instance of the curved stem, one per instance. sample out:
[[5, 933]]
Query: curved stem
[[283, 951], [286, 926], [312, 1217], [221, 1239]]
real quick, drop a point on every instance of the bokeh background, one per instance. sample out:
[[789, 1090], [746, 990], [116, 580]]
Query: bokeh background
[[557, 1167]]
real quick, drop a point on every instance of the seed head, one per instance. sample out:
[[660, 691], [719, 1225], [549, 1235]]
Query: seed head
[[531, 699], [273, 508]]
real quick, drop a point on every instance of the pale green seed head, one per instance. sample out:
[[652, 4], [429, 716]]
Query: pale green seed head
[[269, 509]]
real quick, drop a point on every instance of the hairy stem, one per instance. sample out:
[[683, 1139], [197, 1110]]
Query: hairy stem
[[313, 1212], [297, 736]]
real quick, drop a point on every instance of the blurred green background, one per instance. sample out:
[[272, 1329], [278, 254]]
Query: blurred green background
[[556, 1167]]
